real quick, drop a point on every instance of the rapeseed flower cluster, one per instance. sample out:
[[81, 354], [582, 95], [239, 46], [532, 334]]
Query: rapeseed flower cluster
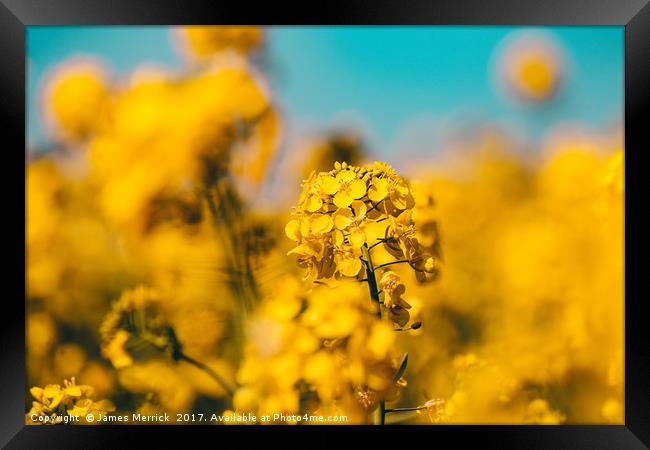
[[54, 404], [350, 210]]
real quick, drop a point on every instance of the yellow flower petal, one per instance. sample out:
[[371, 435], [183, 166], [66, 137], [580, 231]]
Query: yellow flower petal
[[402, 188], [314, 203], [357, 238], [343, 199], [321, 223], [349, 267], [374, 231], [378, 190], [342, 218], [37, 393], [86, 390], [329, 184], [77, 411], [357, 188], [398, 201], [73, 391], [346, 175], [292, 230], [51, 390], [404, 219], [56, 400], [338, 238], [359, 209], [303, 249], [304, 227]]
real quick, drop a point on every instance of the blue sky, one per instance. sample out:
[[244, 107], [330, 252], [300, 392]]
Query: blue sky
[[393, 82]]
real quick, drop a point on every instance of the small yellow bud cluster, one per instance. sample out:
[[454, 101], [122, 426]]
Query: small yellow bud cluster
[[55, 403]]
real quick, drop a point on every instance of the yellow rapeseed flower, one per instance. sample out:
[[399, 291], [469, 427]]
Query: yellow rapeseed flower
[[350, 208], [206, 40], [393, 289], [532, 67], [53, 402], [345, 187], [76, 99]]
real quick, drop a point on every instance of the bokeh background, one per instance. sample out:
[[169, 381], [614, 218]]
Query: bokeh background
[[510, 136]]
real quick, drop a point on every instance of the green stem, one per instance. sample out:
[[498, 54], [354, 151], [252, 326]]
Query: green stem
[[398, 410], [225, 217], [379, 242], [230, 389], [380, 413], [371, 278], [178, 355], [374, 206], [401, 261]]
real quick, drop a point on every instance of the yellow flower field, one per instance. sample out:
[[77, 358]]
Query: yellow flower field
[[167, 274]]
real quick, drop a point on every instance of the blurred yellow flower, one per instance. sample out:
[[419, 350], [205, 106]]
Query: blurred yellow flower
[[69, 359], [41, 333], [533, 260], [172, 392], [76, 98], [204, 41], [115, 352], [100, 377], [539, 412], [166, 136], [330, 353], [531, 66]]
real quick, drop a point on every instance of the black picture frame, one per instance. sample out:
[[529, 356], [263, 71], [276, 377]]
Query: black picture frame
[[15, 15]]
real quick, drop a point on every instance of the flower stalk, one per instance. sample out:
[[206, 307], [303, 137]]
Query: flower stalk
[[380, 413], [341, 216], [230, 389]]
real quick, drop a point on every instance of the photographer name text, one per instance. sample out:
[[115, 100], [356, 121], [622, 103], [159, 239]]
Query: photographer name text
[[245, 418]]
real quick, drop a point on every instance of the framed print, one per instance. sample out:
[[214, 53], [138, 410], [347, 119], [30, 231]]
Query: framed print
[[369, 218]]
